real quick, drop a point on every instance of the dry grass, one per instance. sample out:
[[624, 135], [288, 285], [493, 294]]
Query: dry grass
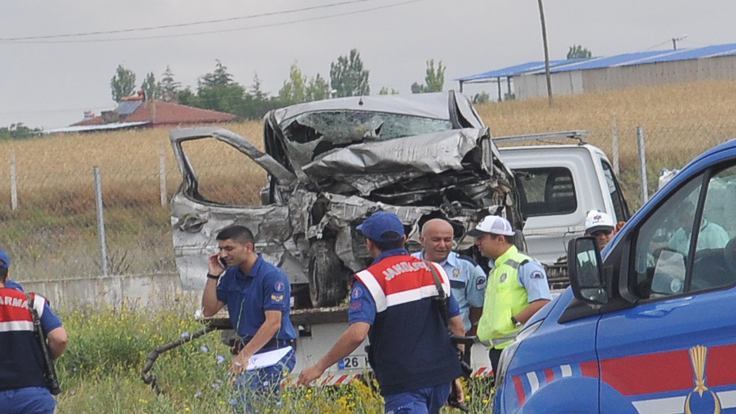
[[54, 230]]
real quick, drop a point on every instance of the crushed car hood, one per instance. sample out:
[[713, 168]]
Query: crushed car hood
[[368, 166]]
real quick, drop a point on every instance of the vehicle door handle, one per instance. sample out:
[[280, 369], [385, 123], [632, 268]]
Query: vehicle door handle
[[190, 223]]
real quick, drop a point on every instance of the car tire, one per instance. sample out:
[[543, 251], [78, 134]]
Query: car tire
[[327, 275]]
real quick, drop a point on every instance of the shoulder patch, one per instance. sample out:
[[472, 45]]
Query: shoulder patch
[[536, 275], [279, 286], [467, 259], [480, 283]]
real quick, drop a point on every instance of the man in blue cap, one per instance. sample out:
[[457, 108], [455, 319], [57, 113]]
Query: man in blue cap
[[23, 387], [394, 303]]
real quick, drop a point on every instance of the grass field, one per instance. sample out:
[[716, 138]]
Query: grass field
[[53, 232]]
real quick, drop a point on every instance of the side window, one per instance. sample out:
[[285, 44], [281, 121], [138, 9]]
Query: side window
[[224, 175], [547, 191], [617, 197], [662, 244], [664, 253]]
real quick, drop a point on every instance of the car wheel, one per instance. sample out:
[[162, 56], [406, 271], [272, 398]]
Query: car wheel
[[327, 275]]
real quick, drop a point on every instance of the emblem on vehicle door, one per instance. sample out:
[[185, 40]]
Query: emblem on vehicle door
[[701, 399]]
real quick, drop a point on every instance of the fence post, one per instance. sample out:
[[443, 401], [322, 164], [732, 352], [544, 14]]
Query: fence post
[[614, 146], [100, 219], [162, 177], [641, 144], [13, 183]]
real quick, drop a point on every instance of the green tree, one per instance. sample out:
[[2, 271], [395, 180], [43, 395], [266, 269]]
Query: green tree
[[294, 90], [317, 89], [150, 88], [122, 84], [388, 91], [219, 77], [347, 76], [168, 88], [434, 78], [578, 52], [18, 131]]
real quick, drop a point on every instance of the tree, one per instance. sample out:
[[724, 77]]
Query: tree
[[434, 79], [578, 52], [168, 88], [388, 91], [347, 76], [294, 90], [122, 84], [150, 88], [317, 89], [219, 77], [255, 88]]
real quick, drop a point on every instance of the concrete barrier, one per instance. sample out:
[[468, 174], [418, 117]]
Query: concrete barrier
[[150, 291]]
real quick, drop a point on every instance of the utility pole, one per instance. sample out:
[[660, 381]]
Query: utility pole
[[677, 39], [546, 53]]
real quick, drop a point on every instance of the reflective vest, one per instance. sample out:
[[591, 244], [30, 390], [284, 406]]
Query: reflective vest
[[505, 297], [410, 347], [21, 358]]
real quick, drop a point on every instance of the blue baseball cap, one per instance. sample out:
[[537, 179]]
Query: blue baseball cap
[[5, 259], [383, 227]]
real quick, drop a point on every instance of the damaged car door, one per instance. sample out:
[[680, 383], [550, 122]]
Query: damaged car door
[[215, 195]]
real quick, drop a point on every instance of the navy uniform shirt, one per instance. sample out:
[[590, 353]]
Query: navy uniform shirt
[[248, 296]]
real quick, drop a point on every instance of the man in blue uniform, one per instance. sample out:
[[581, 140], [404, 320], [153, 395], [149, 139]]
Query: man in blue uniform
[[394, 302], [257, 295], [22, 382], [468, 280]]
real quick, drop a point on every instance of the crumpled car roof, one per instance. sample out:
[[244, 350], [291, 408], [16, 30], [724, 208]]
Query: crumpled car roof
[[430, 105]]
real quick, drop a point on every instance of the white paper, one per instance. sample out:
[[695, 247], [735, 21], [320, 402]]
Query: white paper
[[267, 359]]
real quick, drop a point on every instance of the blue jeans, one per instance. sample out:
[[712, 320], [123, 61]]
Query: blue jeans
[[28, 400], [427, 400], [261, 387]]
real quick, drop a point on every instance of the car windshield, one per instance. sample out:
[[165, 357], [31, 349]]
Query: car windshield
[[340, 128]]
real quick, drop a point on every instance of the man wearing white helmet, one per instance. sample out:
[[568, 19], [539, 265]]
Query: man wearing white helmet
[[599, 225]]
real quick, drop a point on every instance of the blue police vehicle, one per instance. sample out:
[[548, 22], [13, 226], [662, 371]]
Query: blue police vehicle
[[649, 324]]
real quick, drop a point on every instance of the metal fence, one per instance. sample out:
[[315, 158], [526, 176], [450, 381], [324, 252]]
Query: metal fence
[[76, 207]]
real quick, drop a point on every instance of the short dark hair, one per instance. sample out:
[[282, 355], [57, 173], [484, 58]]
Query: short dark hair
[[389, 245], [3, 273], [238, 233], [509, 239]]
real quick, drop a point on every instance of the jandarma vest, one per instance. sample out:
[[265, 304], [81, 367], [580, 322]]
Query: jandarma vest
[[410, 345], [21, 359], [505, 297]]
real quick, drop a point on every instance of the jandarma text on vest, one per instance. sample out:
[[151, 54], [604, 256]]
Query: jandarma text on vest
[[403, 267]]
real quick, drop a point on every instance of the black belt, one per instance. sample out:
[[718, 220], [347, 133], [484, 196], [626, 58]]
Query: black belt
[[272, 344]]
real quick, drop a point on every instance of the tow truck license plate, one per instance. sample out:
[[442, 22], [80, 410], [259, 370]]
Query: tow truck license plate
[[355, 361]]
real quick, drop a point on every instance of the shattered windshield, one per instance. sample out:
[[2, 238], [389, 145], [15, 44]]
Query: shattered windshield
[[340, 128]]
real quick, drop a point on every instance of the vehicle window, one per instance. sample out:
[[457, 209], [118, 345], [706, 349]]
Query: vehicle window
[[617, 196], [546, 191], [341, 128], [224, 174], [712, 266]]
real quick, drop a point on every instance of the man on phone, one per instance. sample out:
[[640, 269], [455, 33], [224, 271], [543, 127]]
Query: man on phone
[[23, 385], [257, 295]]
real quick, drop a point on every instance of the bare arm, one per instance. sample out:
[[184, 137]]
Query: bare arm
[[210, 304], [530, 310], [268, 329], [474, 316], [57, 340], [348, 341], [457, 327]]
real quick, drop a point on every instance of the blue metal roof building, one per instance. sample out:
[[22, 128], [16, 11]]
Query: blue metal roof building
[[623, 70]]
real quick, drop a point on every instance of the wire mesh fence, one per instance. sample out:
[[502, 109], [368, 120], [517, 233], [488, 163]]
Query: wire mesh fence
[[47, 192]]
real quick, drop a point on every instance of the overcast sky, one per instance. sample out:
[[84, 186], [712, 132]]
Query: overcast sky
[[50, 84]]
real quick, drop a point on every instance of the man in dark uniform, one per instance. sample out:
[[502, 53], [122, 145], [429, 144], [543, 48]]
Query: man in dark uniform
[[394, 303], [257, 295], [22, 382]]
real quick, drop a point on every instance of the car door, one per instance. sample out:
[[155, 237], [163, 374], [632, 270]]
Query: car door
[[222, 177], [675, 350]]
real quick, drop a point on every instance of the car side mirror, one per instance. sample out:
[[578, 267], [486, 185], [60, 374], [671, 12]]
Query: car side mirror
[[585, 271]]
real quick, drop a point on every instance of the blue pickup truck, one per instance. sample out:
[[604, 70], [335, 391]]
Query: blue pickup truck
[[648, 325]]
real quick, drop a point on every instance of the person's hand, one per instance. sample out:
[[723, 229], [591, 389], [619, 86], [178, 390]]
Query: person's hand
[[239, 363], [214, 266], [459, 393], [308, 375]]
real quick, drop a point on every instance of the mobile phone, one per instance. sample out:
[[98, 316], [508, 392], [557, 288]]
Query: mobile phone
[[222, 262]]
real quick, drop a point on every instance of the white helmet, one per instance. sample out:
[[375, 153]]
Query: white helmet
[[597, 220]]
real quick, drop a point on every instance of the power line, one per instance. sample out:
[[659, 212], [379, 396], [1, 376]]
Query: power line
[[284, 23], [178, 25]]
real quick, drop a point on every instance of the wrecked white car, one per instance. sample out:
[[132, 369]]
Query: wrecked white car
[[330, 164]]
